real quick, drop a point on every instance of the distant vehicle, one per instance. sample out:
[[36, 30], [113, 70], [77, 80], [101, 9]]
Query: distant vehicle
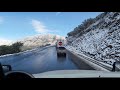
[[60, 43], [61, 51], [60, 47]]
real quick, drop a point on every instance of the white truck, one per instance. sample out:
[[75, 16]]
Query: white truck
[[60, 47]]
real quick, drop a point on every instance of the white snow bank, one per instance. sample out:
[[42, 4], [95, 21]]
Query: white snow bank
[[102, 40]]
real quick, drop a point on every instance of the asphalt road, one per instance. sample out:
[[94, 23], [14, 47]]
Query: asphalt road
[[39, 61]]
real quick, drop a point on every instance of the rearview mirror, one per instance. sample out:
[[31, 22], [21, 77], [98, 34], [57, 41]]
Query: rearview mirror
[[6, 68]]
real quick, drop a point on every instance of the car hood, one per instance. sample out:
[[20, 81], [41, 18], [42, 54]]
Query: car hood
[[76, 74]]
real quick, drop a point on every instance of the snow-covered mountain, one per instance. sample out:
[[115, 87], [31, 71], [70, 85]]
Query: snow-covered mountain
[[5, 42], [39, 40], [100, 39]]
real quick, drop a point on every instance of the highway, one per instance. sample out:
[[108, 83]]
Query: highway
[[39, 61]]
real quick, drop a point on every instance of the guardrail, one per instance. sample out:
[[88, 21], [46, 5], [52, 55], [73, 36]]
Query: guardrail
[[108, 67], [101, 64], [96, 62]]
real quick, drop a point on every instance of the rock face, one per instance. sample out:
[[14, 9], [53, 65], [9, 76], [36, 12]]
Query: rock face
[[100, 40], [39, 40]]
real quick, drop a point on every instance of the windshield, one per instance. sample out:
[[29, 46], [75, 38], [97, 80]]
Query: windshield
[[31, 41]]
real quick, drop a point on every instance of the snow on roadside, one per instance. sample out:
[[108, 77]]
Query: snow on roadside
[[101, 42], [95, 66]]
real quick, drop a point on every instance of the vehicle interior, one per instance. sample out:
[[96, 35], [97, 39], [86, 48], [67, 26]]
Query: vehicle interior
[[7, 73]]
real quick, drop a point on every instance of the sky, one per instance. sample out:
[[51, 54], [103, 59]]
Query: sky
[[18, 25]]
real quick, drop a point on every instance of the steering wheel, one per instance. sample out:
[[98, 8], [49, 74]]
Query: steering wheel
[[2, 75], [13, 74], [18, 75]]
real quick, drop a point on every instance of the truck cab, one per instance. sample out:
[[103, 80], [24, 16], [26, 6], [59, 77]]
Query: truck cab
[[60, 47]]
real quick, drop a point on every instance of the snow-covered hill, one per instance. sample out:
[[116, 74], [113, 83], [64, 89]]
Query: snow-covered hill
[[100, 40], [39, 40], [5, 42]]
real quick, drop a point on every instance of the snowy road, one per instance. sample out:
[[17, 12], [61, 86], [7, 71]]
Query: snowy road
[[38, 61]]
